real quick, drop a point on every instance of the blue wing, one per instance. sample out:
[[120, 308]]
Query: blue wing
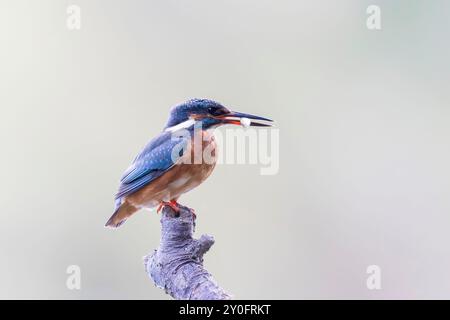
[[151, 162]]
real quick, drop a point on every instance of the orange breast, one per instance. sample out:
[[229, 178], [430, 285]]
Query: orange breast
[[182, 177]]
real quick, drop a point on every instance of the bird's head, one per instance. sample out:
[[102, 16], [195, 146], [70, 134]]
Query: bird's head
[[212, 114]]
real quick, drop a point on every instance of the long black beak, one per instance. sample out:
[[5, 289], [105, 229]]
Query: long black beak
[[245, 119]]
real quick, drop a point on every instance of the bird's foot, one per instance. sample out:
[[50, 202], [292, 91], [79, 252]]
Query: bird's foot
[[172, 204]]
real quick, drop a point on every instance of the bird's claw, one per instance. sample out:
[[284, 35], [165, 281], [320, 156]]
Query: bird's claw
[[172, 204], [175, 207]]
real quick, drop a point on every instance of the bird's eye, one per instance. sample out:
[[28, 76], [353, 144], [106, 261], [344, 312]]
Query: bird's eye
[[217, 111]]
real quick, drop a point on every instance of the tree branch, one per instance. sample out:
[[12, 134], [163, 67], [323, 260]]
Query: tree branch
[[177, 265]]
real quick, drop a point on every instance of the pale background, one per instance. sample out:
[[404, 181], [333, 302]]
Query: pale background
[[364, 154]]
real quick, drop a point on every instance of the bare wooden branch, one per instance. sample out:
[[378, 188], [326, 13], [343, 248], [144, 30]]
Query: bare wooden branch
[[177, 265]]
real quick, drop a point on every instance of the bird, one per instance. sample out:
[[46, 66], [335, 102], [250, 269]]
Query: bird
[[174, 161]]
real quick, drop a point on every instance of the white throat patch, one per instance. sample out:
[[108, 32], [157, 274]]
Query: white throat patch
[[183, 125]]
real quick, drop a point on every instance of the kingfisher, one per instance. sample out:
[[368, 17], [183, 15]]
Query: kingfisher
[[175, 161]]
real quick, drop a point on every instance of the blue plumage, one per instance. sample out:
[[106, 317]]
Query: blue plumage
[[150, 163], [183, 111]]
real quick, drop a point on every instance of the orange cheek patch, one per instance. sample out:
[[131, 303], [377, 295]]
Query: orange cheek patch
[[234, 122], [196, 116]]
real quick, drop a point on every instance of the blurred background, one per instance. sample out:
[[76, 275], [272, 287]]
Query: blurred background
[[363, 117]]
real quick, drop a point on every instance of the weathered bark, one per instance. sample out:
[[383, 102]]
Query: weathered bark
[[177, 265]]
